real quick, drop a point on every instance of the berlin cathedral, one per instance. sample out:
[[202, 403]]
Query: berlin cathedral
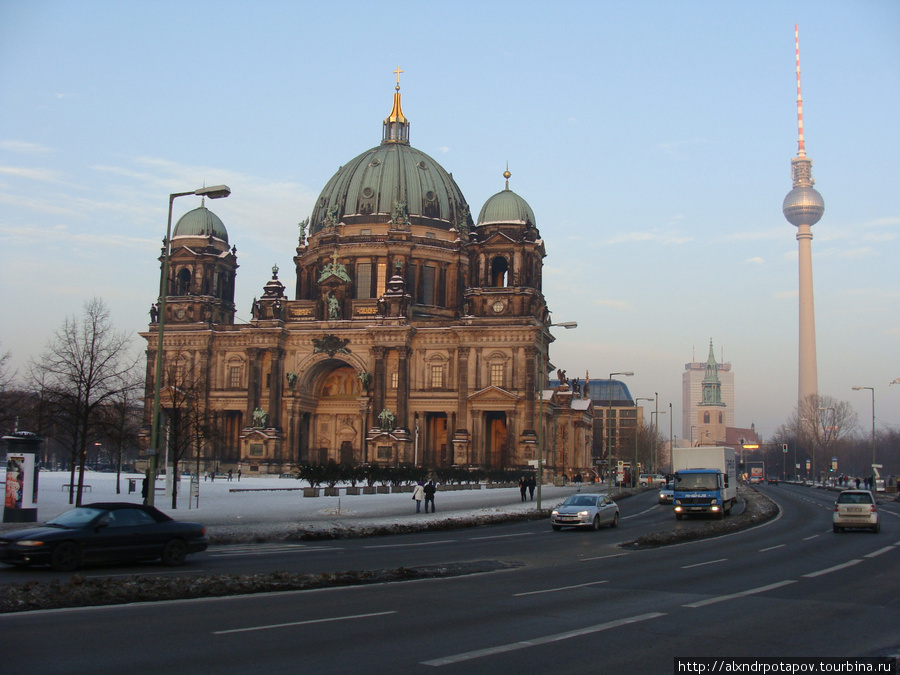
[[416, 335]]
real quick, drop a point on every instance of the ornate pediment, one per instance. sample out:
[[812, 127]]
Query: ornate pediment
[[493, 396]]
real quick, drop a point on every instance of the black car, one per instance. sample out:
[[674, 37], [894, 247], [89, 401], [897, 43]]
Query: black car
[[103, 532]]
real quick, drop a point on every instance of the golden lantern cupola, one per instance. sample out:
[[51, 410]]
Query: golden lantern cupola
[[396, 126]]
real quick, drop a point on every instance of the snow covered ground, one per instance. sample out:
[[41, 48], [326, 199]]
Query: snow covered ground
[[261, 502]]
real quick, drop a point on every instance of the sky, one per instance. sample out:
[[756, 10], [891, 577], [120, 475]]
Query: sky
[[652, 139]]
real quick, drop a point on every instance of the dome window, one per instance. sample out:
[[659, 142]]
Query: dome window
[[422, 165], [499, 270]]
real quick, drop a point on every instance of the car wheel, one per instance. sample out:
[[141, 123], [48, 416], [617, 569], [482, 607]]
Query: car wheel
[[835, 528], [557, 528], [174, 552], [643, 485], [66, 557], [596, 524], [615, 521], [877, 527], [678, 516]]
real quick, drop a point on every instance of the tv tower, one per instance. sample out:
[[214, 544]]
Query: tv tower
[[803, 207]]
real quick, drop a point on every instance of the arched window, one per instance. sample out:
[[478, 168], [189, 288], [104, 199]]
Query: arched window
[[706, 418], [720, 418], [183, 282], [499, 270]]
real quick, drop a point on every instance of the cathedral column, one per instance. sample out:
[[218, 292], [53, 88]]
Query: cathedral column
[[402, 421], [276, 387], [378, 383], [253, 381], [530, 388]]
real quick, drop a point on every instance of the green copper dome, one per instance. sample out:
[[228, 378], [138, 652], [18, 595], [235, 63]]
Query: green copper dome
[[506, 207], [201, 222], [391, 178]]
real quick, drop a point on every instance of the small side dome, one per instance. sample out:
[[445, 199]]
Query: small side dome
[[201, 222], [506, 207]]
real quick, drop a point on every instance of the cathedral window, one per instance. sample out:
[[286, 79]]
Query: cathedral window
[[706, 418], [437, 376], [183, 282], [429, 273], [395, 380], [499, 270], [382, 279], [497, 373], [363, 281], [234, 377]]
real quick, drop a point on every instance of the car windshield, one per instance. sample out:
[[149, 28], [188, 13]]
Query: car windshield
[[77, 517], [580, 500], [855, 498], [696, 481]]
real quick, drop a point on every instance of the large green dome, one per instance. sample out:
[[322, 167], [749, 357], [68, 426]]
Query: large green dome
[[370, 186], [201, 222]]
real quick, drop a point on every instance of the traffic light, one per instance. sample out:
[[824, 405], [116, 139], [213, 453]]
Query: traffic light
[[784, 447]]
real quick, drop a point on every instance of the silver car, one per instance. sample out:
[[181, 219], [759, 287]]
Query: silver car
[[855, 508], [585, 510], [666, 494]]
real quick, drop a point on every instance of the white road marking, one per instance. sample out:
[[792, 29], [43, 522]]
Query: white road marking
[[771, 548], [879, 552], [424, 543], [547, 639], [561, 588], [301, 623], [503, 536], [845, 565], [635, 515], [812, 537], [752, 591], [708, 562], [604, 557]]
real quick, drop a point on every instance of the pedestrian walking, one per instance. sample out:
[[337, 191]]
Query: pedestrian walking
[[429, 489], [229, 474], [418, 494], [523, 486], [532, 483], [239, 475]]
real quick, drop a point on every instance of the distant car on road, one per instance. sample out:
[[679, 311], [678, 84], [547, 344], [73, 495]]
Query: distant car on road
[[773, 480], [651, 479], [754, 480], [103, 532], [585, 510], [666, 493], [855, 508]]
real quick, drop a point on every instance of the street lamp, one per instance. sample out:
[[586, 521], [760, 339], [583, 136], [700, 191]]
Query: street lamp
[[636, 436], [568, 325], [872, 389], [609, 457], [214, 192], [825, 440]]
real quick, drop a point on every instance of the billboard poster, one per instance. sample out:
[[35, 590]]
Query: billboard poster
[[21, 481]]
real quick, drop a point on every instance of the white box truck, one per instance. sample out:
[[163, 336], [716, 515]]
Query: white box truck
[[705, 480]]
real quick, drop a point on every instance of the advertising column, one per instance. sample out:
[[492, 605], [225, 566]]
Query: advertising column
[[21, 493]]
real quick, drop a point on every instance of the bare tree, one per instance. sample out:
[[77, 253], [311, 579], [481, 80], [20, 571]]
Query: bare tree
[[121, 419], [9, 401], [81, 370], [821, 422]]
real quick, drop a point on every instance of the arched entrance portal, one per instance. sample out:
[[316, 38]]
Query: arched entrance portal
[[436, 453], [496, 447], [336, 424]]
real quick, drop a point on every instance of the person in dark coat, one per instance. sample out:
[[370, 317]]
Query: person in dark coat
[[430, 489], [523, 486], [531, 485]]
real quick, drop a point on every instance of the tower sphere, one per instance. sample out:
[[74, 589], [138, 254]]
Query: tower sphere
[[803, 206]]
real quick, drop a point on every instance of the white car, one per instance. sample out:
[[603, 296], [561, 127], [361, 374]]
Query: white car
[[651, 479], [585, 510], [855, 508]]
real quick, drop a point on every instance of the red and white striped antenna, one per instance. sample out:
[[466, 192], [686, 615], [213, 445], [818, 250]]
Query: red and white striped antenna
[[801, 144]]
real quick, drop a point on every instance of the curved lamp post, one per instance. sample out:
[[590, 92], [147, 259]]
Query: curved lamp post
[[872, 389], [609, 457], [214, 192], [568, 325], [636, 436]]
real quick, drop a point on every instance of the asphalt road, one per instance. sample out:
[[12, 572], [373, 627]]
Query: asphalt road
[[578, 603]]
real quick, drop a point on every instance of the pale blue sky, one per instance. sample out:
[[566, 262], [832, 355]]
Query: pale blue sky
[[652, 139]]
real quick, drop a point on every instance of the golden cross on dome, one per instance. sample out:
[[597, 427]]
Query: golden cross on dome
[[397, 73]]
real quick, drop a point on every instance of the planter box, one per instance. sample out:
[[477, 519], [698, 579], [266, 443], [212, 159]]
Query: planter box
[[311, 492], [383, 489], [368, 490], [405, 488], [332, 492], [353, 490]]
